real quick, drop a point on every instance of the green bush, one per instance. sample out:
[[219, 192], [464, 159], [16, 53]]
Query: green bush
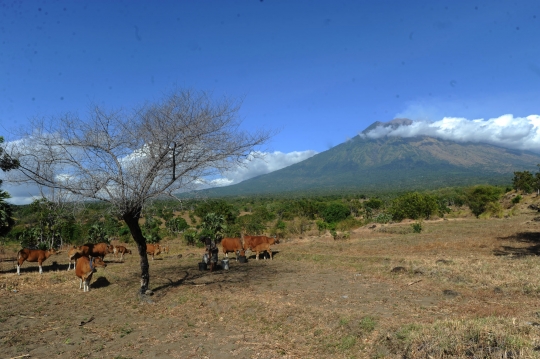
[[251, 224], [417, 227], [348, 223], [383, 218], [517, 199], [494, 209], [176, 225], [219, 208], [152, 237], [416, 205], [373, 203], [321, 226], [478, 197], [190, 237], [335, 212], [279, 230]]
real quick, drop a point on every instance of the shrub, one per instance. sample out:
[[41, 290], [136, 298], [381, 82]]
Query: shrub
[[415, 205], [417, 227], [383, 218], [219, 207], [279, 230], [190, 236], [478, 197], [373, 203], [252, 224], [152, 237], [517, 199], [176, 225], [335, 212], [348, 224], [321, 226], [494, 209]]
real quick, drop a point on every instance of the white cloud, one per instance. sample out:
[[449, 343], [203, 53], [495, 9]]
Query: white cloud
[[522, 133], [269, 162], [259, 164]]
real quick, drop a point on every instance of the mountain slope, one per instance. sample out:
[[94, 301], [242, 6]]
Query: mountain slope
[[395, 163]]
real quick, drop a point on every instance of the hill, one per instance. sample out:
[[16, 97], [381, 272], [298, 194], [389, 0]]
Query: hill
[[390, 163]]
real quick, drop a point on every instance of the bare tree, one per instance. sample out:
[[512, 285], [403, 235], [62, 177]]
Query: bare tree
[[127, 158]]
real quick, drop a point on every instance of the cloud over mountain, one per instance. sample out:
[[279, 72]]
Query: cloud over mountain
[[522, 133], [269, 162]]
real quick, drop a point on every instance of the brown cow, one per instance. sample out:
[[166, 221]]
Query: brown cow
[[232, 245], [33, 255], [85, 269], [121, 250], [260, 244], [153, 249], [94, 250]]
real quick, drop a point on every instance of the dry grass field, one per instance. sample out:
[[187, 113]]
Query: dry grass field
[[462, 288]]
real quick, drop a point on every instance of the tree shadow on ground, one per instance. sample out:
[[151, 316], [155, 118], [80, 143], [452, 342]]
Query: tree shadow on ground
[[532, 238], [236, 275]]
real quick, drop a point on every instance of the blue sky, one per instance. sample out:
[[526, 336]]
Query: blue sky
[[318, 71]]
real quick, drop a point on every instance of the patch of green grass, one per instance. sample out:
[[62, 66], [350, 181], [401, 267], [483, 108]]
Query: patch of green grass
[[347, 342], [125, 330], [405, 333], [367, 324]]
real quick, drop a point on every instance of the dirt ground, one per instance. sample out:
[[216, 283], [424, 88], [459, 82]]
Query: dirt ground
[[317, 298]]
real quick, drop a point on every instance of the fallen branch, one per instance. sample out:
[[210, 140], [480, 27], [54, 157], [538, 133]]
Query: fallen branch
[[88, 321], [416, 281], [22, 356]]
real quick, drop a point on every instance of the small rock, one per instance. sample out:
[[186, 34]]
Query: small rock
[[450, 293]]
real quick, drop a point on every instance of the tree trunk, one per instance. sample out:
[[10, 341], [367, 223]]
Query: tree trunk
[[132, 221]]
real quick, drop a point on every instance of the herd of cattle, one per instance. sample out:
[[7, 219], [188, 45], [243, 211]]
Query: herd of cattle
[[88, 257]]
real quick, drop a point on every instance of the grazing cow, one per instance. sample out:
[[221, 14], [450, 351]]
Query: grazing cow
[[153, 249], [232, 245], [259, 244], [94, 250], [121, 250], [85, 269], [33, 255]]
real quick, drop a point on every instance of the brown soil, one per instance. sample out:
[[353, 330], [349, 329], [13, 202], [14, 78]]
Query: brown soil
[[317, 298]]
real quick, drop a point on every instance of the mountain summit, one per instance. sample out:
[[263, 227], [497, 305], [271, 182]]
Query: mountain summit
[[395, 123], [391, 163]]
